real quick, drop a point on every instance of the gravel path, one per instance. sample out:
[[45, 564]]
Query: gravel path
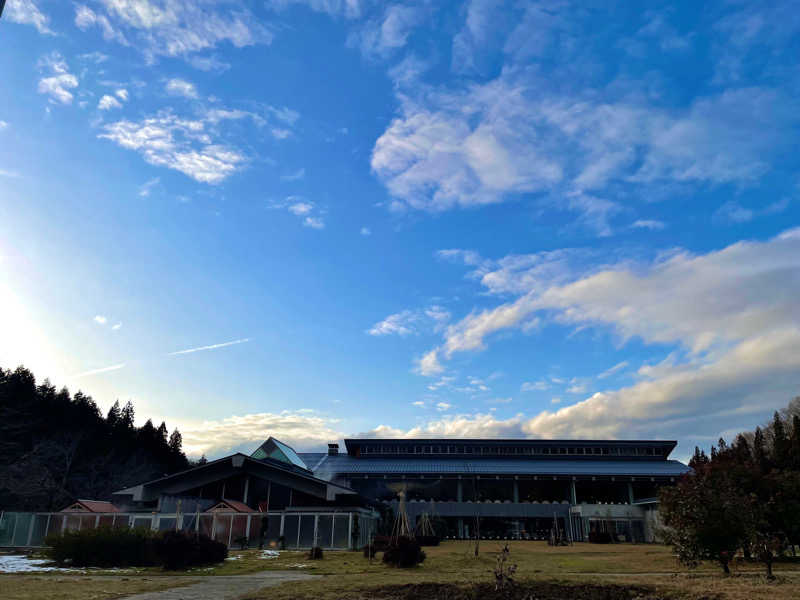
[[224, 587]]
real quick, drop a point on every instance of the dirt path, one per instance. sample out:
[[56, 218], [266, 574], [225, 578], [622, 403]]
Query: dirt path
[[224, 587]]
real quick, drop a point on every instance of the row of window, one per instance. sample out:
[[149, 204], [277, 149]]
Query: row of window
[[511, 450]]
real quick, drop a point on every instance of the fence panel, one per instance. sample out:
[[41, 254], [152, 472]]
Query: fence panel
[[300, 530]]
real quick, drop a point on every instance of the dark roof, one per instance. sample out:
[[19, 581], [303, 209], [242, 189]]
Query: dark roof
[[94, 506], [328, 467], [235, 505], [354, 445]]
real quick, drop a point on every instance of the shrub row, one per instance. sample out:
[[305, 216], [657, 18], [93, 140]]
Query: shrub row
[[124, 547], [404, 552]]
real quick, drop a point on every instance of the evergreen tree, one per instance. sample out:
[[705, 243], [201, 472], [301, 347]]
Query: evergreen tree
[[176, 442], [127, 416], [795, 443], [759, 451], [780, 442], [162, 432], [114, 415], [55, 447]]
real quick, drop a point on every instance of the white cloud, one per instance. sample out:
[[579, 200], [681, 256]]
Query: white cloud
[[365, 231], [211, 347], [58, 80], [3, 125], [615, 369], [696, 301], [301, 208], [733, 212], [408, 321], [208, 63], [379, 37], [650, 224], [108, 102], [303, 430], [555, 400], [147, 187], [181, 87], [85, 18], [534, 386], [507, 400], [429, 365], [418, 403], [314, 222], [100, 319], [185, 145], [309, 213], [488, 142], [117, 326], [350, 9], [401, 324], [731, 313], [443, 406], [174, 27], [26, 12], [122, 94], [297, 175]]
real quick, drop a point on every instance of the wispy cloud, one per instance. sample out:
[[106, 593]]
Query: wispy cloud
[[211, 347], [181, 87], [108, 102], [25, 12], [308, 211], [147, 187], [58, 81], [100, 319], [98, 371], [176, 28], [297, 175]]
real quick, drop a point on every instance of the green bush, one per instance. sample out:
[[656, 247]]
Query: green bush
[[404, 552], [103, 547], [124, 547], [177, 550]]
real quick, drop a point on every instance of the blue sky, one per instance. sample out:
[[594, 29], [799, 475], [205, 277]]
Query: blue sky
[[319, 218]]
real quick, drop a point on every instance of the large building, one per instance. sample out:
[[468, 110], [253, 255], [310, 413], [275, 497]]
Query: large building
[[493, 488], [511, 488]]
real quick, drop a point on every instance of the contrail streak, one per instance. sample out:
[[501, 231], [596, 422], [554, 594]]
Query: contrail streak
[[212, 347], [96, 371]]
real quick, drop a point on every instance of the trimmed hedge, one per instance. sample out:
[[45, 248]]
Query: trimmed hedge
[[600, 537], [404, 553], [124, 547]]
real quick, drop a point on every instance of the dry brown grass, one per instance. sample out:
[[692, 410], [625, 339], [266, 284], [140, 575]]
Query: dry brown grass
[[349, 576], [79, 587]]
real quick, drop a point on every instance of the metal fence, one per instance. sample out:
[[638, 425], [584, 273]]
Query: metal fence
[[299, 530]]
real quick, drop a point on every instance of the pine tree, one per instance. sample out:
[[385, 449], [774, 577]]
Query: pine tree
[[780, 443], [127, 416], [162, 432], [795, 443], [176, 442], [114, 415], [759, 451]]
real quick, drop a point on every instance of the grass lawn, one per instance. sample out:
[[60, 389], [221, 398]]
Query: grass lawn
[[350, 576], [79, 587]]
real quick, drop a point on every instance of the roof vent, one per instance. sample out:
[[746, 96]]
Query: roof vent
[[333, 449]]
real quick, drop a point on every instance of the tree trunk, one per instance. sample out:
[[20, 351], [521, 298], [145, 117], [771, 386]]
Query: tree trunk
[[725, 568], [768, 563]]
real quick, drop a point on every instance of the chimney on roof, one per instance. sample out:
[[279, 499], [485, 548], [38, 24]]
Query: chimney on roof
[[333, 449]]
